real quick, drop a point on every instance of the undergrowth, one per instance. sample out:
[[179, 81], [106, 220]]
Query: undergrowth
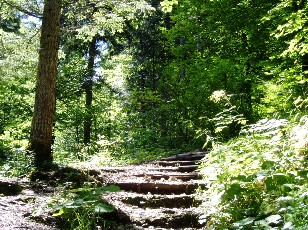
[[79, 209], [17, 163], [109, 153], [259, 180]]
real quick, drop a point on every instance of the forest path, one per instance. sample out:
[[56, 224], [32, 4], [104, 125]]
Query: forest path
[[18, 198], [156, 195]]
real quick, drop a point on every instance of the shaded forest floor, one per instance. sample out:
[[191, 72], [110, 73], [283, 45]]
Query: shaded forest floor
[[155, 195], [18, 198]]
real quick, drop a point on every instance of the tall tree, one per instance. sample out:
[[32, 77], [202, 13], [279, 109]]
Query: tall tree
[[42, 122], [94, 23], [88, 85]]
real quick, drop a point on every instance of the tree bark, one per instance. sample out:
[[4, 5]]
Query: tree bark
[[89, 92], [41, 137]]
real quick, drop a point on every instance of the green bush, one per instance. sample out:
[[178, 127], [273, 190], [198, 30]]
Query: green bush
[[17, 162], [257, 180], [81, 208]]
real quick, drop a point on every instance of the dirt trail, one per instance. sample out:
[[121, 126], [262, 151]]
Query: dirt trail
[[17, 200]]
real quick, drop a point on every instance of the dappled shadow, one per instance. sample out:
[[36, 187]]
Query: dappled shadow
[[76, 178], [10, 189], [17, 201], [69, 176], [20, 196], [3, 158], [117, 220]]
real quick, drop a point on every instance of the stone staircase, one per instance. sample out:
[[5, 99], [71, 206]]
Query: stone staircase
[[157, 195]]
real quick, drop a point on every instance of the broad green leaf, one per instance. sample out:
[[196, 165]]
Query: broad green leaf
[[244, 222], [270, 184], [267, 165], [261, 223], [103, 208], [280, 178], [59, 213], [111, 188], [274, 219], [243, 178], [233, 190]]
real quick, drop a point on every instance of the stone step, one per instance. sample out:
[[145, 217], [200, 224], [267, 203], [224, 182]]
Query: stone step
[[184, 168], [157, 195], [114, 169], [167, 218], [188, 168], [173, 219], [186, 157], [175, 163], [156, 200], [169, 175], [161, 187]]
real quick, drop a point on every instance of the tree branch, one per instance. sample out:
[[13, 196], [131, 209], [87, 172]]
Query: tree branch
[[23, 10]]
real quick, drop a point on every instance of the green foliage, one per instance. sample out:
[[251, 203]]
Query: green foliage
[[81, 208], [256, 180], [295, 208], [17, 162], [171, 75], [163, 62], [9, 20], [160, 64], [17, 71], [225, 124], [103, 18], [288, 58], [167, 5]]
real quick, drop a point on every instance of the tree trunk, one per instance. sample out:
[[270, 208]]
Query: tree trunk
[[89, 92], [247, 84], [42, 122]]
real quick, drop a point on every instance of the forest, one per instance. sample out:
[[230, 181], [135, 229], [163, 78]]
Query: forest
[[114, 83]]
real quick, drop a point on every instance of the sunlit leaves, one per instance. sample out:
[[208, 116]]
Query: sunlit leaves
[[86, 198], [289, 26], [257, 177], [18, 63], [243, 223], [99, 17], [295, 25], [167, 5]]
